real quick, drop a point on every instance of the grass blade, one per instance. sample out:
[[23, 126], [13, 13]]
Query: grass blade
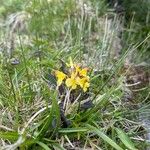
[[54, 115], [9, 135], [73, 130], [125, 139], [58, 147], [43, 145], [104, 137]]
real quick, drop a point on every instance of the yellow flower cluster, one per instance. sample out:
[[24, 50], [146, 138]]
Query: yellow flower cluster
[[77, 77]]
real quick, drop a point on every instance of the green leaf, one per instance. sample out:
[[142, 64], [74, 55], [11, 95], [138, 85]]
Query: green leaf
[[58, 147], [12, 136], [104, 137], [43, 145], [54, 116], [72, 130], [125, 139], [28, 142]]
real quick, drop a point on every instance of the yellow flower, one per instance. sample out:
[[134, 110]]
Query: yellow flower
[[71, 82], [76, 77], [83, 83], [60, 77], [86, 86], [83, 72], [76, 69]]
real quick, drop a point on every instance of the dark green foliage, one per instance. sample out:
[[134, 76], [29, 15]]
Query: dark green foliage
[[139, 9], [137, 14], [47, 17], [9, 6]]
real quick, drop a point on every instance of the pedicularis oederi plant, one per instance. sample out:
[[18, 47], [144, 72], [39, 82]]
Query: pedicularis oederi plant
[[76, 76]]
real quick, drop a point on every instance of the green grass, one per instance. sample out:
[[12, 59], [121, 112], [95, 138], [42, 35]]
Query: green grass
[[30, 100]]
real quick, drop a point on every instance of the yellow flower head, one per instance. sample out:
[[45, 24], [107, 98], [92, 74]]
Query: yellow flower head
[[60, 77], [71, 82], [83, 83], [83, 72], [76, 76]]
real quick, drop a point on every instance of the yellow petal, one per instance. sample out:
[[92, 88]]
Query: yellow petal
[[74, 86], [60, 77], [73, 75], [77, 68], [83, 83], [60, 74], [83, 72], [68, 82], [84, 89], [80, 82], [87, 84]]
